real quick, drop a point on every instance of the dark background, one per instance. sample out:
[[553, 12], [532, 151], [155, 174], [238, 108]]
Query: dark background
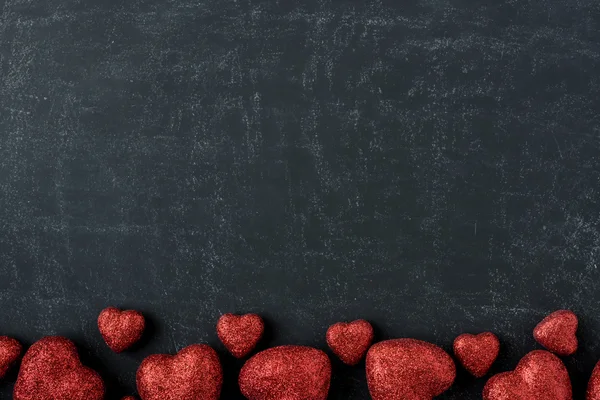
[[431, 166]]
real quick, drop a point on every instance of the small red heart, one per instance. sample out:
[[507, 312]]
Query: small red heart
[[51, 370], [240, 333], [408, 369], [286, 373], [350, 341], [128, 398], [477, 353], [593, 389], [557, 331], [192, 374], [10, 350], [120, 329], [540, 375]]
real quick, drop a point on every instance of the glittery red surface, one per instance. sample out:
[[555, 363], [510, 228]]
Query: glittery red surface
[[129, 398], [408, 369], [51, 370], [477, 353], [540, 375], [193, 374], [120, 329], [557, 332], [10, 350], [286, 373], [593, 389], [240, 333], [350, 341]]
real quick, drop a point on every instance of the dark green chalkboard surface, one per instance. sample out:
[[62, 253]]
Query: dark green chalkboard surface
[[432, 166]]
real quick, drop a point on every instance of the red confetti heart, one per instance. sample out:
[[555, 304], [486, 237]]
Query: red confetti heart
[[408, 369], [557, 331], [10, 350], [192, 374], [286, 373], [477, 353], [350, 341], [120, 329], [540, 375], [240, 333], [593, 389], [51, 370], [128, 398]]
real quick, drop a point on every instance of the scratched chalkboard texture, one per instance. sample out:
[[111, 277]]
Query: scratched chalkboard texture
[[432, 166]]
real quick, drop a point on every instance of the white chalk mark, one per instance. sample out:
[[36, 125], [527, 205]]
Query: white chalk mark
[[559, 152]]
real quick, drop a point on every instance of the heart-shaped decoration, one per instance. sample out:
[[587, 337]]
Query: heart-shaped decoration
[[557, 331], [240, 333], [51, 370], [128, 398], [286, 373], [593, 389], [10, 350], [120, 329], [540, 375], [350, 341], [408, 369], [192, 374], [477, 353]]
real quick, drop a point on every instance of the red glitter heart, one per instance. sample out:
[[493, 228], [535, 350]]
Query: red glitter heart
[[540, 375], [240, 333], [350, 341], [286, 373], [192, 374], [51, 370], [408, 369], [128, 398], [120, 329], [477, 353], [557, 331], [593, 389], [10, 350]]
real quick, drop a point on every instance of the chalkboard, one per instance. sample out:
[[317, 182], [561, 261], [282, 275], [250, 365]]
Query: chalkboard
[[431, 166]]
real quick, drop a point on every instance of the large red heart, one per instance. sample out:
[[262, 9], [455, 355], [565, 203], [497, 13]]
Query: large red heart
[[593, 389], [51, 370], [350, 341], [192, 374], [477, 353], [557, 331], [120, 329], [540, 375], [408, 369], [240, 333], [10, 350], [286, 373]]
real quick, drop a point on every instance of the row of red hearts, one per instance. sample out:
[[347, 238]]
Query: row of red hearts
[[396, 369]]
